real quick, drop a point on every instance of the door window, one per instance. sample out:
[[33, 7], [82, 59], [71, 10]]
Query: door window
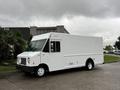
[[55, 46]]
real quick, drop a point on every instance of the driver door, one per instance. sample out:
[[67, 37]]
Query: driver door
[[56, 55]]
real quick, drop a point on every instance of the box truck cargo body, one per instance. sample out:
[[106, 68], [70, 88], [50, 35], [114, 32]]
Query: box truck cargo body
[[58, 51]]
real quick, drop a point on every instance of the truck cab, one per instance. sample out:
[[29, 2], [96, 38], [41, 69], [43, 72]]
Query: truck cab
[[36, 58]]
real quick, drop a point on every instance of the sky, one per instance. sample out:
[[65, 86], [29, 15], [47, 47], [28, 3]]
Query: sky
[[80, 17]]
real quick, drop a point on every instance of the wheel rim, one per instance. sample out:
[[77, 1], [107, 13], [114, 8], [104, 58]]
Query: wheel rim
[[90, 65], [41, 72]]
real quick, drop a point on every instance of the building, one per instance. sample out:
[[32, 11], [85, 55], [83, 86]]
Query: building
[[41, 30], [26, 32]]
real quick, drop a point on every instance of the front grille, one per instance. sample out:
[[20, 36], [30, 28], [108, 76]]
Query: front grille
[[23, 61]]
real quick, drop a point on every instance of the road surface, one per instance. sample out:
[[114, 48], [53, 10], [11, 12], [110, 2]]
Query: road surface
[[103, 77]]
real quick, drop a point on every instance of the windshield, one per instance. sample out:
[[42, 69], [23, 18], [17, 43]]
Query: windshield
[[36, 45]]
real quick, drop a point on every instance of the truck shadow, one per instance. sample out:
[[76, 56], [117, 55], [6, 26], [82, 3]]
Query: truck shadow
[[72, 70], [67, 71], [63, 72]]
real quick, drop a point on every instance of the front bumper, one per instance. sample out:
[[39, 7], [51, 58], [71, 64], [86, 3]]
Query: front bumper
[[26, 68]]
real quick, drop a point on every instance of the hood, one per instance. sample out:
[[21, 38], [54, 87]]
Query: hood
[[28, 54]]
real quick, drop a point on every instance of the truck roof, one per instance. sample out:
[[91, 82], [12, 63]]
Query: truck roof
[[42, 36], [47, 35]]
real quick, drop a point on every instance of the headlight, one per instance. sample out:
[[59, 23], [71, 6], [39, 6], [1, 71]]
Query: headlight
[[18, 60], [28, 60]]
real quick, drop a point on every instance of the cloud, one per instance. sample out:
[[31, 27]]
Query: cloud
[[108, 28], [58, 8], [83, 17], [80, 25]]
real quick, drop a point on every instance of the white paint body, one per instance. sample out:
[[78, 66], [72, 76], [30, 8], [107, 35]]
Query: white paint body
[[75, 50]]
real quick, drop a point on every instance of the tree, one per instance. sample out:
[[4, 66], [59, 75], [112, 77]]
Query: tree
[[10, 42], [19, 44], [108, 47], [4, 46], [117, 44]]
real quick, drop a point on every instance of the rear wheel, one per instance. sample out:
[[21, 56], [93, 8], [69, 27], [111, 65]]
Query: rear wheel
[[89, 65]]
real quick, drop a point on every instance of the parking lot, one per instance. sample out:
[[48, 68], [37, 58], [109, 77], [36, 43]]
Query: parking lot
[[103, 77]]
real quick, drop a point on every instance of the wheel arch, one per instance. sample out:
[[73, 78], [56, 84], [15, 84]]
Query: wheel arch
[[90, 60], [44, 65]]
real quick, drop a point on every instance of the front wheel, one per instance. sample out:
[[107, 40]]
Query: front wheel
[[41, 71], [89, 65]]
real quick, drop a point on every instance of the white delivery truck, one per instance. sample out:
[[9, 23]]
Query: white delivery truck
[[57, 51]]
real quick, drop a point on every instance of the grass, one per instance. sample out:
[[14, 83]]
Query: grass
[[111, 58], [8, 66], [7, 69]]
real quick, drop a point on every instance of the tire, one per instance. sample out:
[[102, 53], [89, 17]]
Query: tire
[[89, 65], [41, 71]]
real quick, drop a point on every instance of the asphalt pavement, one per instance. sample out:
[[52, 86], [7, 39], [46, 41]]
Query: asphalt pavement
[[103, 77]]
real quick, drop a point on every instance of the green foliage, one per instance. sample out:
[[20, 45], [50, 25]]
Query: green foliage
[[11, 44], [108, 48], [117, 43]]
